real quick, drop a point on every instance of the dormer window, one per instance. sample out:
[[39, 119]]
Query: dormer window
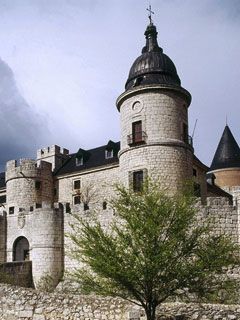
[[111, 149], [82, 157], [108, 154], [79, 161]]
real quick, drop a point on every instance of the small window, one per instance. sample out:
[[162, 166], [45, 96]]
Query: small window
[[104, 205], [77, 200], [55, 192], [194, 172], [11, 210], [76, 184], [31, 208], [108, 154], [79, 161], [85, 206], [137, 132], [137, 181], [20, 209], [38, 205], [37, 185], [68, 208]]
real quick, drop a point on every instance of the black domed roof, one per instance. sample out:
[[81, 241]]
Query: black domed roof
[[153, 66], [227, 154]]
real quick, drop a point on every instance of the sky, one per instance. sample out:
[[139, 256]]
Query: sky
[[63, 63]]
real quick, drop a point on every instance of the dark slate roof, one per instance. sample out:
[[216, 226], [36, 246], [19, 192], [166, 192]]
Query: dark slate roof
[[218, 191], [2, 180], [153, 66], [91, 159], [227, 154]]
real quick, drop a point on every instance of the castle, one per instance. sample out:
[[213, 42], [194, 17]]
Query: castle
[[39, 197]]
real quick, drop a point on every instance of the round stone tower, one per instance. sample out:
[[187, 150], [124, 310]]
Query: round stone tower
[[28, 186], [154, 121], [34, 227]]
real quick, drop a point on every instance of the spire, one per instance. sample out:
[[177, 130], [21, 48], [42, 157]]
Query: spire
[[151, 39], [227, 154]]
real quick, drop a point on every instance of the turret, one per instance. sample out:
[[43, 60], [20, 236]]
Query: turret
[[154, 121], [34, 227], [226, 162], [28, 185], [54, 154]]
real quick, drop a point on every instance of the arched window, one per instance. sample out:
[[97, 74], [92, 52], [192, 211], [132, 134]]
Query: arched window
[[21, 249]]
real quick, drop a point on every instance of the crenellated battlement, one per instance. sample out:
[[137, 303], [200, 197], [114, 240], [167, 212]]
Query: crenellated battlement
[[50, 151], [27, 168], [54, 154]]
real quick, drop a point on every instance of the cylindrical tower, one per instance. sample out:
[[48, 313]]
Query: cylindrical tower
[[34, 227], [154, 121], [28, 185]]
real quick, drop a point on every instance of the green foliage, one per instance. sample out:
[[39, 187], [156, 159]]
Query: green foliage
[[155, 249]]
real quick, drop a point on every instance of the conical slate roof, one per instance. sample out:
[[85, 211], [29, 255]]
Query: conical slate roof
[[227, 154]]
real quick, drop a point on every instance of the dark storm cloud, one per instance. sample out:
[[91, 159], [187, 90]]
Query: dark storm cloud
[[21, 129]]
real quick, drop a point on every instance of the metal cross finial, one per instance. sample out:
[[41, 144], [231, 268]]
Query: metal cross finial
[[150, 13]]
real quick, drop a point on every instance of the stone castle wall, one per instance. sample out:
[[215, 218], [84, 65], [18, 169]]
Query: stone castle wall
[[26, 304], [101, 186]]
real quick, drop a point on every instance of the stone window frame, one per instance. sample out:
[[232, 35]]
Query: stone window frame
[[75, 184], [108, 154], [76, 200], [131, 176], [11, 210]]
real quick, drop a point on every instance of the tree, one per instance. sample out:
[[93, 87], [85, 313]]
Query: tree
[[155, 249]]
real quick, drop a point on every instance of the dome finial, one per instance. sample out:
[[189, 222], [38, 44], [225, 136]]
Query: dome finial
[[150, 13]]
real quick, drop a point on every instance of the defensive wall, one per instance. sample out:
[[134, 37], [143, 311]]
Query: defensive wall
[[27, 304]]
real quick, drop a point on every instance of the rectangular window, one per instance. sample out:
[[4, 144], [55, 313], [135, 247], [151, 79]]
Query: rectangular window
[[38, 205], [137, 132], [137, 181], [108, 154], [31, 208], [11, 210], [76, 184], [77, 200], [37, 185], [85, 206], [79, 161], [194, 172], [68, 208], [104, 205]]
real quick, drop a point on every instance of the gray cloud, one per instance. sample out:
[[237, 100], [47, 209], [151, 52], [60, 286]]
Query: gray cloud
[[71, 60], [22, 130]]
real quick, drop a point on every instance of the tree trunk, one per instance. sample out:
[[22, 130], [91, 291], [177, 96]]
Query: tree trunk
[[150, 312]]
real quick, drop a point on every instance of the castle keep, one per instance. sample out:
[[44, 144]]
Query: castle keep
[[39, 197]]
